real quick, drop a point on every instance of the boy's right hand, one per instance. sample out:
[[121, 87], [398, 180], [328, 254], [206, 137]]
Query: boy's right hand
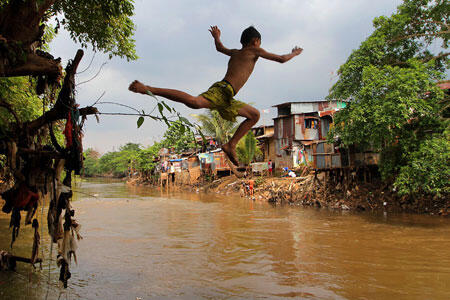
[[215, 32], [137, 87], [297, 50]]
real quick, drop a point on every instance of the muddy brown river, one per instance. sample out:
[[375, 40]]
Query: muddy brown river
[[141, 243]]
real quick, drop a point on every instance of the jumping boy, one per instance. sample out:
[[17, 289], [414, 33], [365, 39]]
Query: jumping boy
[[220, 95]]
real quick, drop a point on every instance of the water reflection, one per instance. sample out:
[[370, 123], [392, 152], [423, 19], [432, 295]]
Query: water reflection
[[147, 243]]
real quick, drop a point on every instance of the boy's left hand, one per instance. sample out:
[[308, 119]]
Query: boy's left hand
[[215, 32], [297, 50]]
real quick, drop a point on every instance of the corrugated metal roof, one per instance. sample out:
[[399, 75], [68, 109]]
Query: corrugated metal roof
[[262, 126], [269, 135], [281, 117], [303, 101]]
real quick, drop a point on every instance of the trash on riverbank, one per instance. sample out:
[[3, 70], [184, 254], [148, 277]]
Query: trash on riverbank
[[311, 189]]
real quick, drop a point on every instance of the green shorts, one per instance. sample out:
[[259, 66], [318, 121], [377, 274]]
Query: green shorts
[[220, 95]]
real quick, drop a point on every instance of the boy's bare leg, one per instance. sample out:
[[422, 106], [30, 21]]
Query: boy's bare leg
[[171, 94], [252, 116], [250, 113]]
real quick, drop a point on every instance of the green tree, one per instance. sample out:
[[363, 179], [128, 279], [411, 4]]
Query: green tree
[[106, 25], [395, 104], [18, 94], [91, 163], [247, 148], [117, 163], [214, 125], [146, 159], [130, 147], [427, 169], [178, 138]]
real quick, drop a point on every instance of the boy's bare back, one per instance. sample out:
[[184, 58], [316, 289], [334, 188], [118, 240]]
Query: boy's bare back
[[240, 67], [242, 61]]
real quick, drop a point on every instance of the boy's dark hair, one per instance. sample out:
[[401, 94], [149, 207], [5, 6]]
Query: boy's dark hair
[[248, 35]]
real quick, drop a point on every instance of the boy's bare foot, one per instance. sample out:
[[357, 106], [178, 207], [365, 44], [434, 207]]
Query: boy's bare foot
[[231, 153], [138, 87]]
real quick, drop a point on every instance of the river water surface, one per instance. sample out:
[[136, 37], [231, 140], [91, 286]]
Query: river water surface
[[148, 244]]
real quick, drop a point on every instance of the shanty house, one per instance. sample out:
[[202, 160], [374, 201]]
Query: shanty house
[[265, 136], [299, 127]]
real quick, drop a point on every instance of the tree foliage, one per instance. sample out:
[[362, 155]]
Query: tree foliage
[[117, 163], [90, 165], [18, 93], [104, 24], [395, 104], [146, 160], [214, 125], [178, 138], [247, 148], [427, 169]]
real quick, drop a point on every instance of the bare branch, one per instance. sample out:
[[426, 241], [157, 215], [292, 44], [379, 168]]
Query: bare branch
[[94, 75], [90, 63], [405, 63], [120, 104], [418, 35], [138, 115], [98, 99], [437, 57]]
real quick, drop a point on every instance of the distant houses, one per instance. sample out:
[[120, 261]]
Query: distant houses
[[297, 137]]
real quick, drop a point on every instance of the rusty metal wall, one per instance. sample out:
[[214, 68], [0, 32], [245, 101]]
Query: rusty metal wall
[[364, 159], [272, 153], [288, 127], [327, 105], [220, 162], [299, 130], [328, 161], [340, 160], [324, 147], [278, 127], [311, 134], [285, 160], [194, 175], [325, 126]]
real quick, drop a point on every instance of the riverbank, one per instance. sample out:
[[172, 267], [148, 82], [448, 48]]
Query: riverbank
[[312, 190]]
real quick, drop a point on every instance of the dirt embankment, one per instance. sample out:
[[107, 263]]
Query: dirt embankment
[[313, 190]]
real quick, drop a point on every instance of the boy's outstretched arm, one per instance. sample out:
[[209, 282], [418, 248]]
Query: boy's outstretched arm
[[279, 58], [215, 32]]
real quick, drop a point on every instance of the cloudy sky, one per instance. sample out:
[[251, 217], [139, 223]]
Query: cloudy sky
[[177, 51]]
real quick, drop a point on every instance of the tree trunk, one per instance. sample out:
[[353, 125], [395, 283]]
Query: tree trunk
[[20, 35]]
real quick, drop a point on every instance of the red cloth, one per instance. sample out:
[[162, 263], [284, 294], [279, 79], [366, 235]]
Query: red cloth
[[24, 197], [251, 183], [68, 130]]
